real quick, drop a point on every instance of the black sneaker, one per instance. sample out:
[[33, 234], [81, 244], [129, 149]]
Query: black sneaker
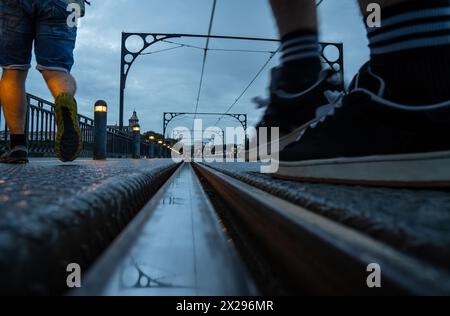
[[17, 155], [68, 142], [371, 140], [293, 112]]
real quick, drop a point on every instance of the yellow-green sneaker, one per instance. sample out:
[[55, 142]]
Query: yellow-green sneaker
[[68, 141]]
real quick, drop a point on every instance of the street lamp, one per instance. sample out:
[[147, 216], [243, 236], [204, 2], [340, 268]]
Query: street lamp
[[151, 146], [100, 107], [136, 129], [100, 125]]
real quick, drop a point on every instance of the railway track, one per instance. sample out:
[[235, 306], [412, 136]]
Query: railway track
[[174, 247], [206, 233]]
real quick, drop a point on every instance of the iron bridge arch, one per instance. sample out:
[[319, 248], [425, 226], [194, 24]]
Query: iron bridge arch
[[148, 39]]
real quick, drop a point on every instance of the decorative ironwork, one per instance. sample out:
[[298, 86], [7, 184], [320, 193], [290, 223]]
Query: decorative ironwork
[[169, 116], [128, 57], [41, 133]]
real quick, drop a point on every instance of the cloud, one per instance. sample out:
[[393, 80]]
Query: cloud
[[169, 81]]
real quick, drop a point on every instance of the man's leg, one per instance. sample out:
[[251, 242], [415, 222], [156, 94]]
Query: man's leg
[[63, 87], [14, 103], [13, 99], [297, 25], [54, 46], [60, 82], [294, 15], [411, 49], [16, 39], [300, 90], [392, 127]]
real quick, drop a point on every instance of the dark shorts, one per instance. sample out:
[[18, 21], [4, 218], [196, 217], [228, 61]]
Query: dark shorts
[[42, 22]]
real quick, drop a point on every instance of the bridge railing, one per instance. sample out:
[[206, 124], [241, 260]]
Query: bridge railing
[[41, 133]]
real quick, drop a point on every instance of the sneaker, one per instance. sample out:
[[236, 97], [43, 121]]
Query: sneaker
[[370, 140], [68, 141], [291, 113], [17, 155]]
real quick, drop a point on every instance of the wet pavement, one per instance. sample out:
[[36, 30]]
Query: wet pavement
[[52, 214], [47, 182], [414, 221]]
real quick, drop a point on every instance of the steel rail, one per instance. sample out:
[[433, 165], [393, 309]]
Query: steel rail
[[314, 254], [174, 246]]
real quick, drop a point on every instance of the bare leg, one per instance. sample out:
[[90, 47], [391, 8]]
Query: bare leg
[[292, 15], [68, 142], [60, 82], [13, 99]]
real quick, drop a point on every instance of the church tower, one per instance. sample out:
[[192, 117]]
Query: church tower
[[133, 121]]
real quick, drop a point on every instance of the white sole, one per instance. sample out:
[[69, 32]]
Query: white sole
[[409, 170]]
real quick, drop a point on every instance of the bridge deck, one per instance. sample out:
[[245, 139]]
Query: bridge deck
[[413, 221], [52, 214]]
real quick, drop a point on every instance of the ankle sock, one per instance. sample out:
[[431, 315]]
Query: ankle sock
[[300, 60], [411, 51], [18, 140]]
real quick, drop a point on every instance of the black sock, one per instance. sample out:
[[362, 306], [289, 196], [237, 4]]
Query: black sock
[[18, 140], [300, 60], [411, 51]]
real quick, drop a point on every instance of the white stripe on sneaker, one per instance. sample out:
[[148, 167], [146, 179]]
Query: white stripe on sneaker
[[417, 29], [415, 15], [411, 44]]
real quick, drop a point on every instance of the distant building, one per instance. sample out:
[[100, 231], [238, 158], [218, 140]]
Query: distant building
[[134, 119]]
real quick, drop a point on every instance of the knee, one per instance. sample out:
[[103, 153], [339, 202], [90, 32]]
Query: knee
[[60, 82]]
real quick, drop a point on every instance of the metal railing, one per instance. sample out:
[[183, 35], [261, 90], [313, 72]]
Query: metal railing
[[41, 133]]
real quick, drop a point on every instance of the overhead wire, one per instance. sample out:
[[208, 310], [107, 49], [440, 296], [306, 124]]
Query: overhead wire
[[318, 3], [220, 49], [205, 55], [260, 71]]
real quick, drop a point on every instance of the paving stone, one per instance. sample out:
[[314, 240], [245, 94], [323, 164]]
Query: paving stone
[[414, 221], [52, 214]]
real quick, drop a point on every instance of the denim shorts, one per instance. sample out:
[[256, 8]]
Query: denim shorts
[[42, 22]]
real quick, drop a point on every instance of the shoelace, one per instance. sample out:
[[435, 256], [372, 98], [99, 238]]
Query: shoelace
[[335, 98], [327, 116], [262, 103]]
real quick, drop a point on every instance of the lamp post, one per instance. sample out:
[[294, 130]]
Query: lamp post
[[166, 150], [160, 149], [136, 130], [100, 123], [152, 146]]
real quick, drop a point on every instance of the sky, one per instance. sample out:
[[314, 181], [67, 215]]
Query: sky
[[168, 81]]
